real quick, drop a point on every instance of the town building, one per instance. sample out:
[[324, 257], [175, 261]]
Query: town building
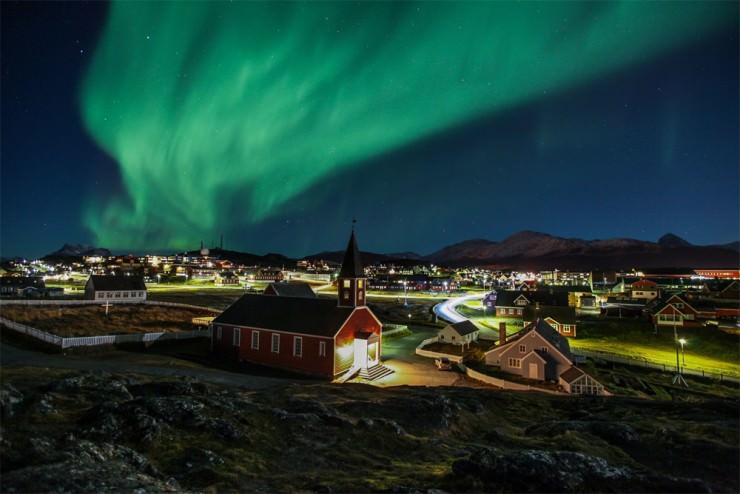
[[511, 303], [283, 289], [226, 278], [319, 337], [115, 288], [461, 333], [16, 285], [562, 319], [644, 289], [540, 353]]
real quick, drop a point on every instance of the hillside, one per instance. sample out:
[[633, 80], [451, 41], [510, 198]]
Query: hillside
[[80, 432], [534, 250]]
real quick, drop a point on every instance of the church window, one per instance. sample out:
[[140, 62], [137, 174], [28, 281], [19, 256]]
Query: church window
[[359, 283], [346, 283]]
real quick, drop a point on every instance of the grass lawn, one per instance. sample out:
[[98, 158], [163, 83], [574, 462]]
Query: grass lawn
[[90, 320], [706, 348]]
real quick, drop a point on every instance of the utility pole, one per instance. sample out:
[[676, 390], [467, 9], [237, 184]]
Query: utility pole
[[678, 378]]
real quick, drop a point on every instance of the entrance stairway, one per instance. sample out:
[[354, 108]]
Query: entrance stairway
[[377, 371]]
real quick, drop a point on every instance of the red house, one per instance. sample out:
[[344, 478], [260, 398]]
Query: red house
[[676, 312], [319, 337]]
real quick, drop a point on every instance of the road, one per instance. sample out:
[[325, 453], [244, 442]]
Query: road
[[446, 310]]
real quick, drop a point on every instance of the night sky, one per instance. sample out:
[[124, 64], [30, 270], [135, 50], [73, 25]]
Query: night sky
[[142, 126]]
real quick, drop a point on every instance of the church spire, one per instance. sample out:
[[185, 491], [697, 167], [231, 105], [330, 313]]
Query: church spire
[[351, 281], [352, 264]]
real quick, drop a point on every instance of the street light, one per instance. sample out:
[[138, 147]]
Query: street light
[[678, 378], [682, 341]]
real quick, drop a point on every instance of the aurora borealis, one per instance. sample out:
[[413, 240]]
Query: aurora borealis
[[246, 117]]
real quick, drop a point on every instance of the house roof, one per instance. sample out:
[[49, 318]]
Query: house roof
[[506, 298], [465, 327], [563, 315], [571, 374], [116, 283], [292, 290], [352, 264], [311, 316], [551, 335]]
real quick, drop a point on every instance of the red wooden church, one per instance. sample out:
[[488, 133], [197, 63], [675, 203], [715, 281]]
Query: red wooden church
[[320, 337]]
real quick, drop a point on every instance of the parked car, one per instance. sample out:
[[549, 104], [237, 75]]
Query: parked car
[[443, 363]]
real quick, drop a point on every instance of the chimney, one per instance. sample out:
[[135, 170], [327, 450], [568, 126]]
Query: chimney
[[501, 333]]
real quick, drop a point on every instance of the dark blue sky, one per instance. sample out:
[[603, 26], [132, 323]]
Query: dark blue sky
[[649, 149]]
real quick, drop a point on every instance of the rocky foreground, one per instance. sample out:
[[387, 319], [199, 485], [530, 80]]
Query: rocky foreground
[[81, 432]]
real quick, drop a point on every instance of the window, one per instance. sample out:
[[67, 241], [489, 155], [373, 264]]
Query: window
[[141, 294], [255, 340], [322, 349], [346, 295], [678, 305], [522, 348], [297, 346], [275, 343], [109, 295], [442, 337], [515, 363], [125, 294], [566, 328], [237, 336], [218, 332], [118, 294], [359, 294], [99, 295], [346, 283], [359, 283], [544, 349]]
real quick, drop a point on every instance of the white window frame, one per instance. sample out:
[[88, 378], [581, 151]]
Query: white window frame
[[515, 363], [255, 340], [298, 346], [275, 343], [322, 349], [522, 348], [236, 337]]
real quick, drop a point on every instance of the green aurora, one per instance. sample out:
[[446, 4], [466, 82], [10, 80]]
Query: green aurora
[[208, 105]]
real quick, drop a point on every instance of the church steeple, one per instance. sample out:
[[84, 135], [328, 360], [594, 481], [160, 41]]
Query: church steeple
[[351, 282]]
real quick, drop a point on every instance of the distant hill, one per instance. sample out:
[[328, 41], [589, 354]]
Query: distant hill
[[77, 250], [249, 259], [671, 240], [535, 250]]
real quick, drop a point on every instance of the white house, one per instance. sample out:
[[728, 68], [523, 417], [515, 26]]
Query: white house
[[115, 288], [460, 333]]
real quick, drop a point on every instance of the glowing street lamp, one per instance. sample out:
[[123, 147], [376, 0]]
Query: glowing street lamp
[[682, 341]]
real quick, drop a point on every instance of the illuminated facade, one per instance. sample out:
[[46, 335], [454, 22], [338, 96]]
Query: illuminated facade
[[319, 337]]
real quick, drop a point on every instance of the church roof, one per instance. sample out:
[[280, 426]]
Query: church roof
[[311, 316], [352, 264]]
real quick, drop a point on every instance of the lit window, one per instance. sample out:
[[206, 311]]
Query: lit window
[[359, 283], [322, 349], [237, 337], [255, 340], [346, 283], [297, 346], [275, 343]]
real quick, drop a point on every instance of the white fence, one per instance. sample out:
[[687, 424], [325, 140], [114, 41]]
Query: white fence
[[79, 341], [502, 383], [427, 353], [97, 302], [694, 371]]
